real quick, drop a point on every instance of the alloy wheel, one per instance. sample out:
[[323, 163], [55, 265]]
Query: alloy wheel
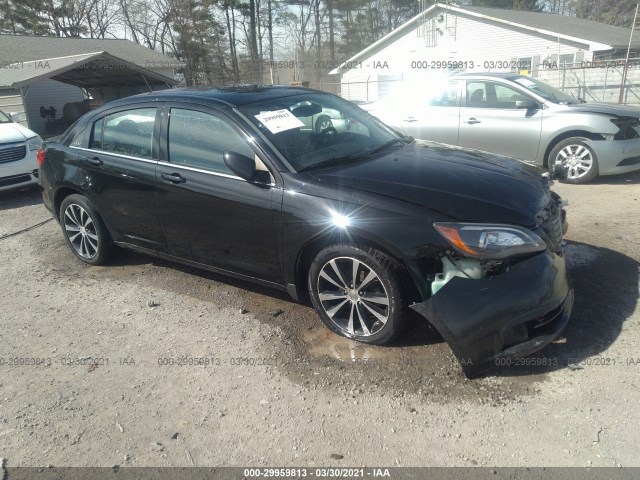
[[81, 231], [577, 159], [353, 296]]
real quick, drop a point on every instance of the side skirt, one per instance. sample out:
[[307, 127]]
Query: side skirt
[[202, 266]]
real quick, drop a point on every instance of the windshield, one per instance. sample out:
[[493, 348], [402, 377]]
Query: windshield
[[546, 91], [314, 129], [4, 118]]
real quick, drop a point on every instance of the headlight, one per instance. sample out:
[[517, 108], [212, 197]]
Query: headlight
[[34, 143], [628, 128], [491, 242]]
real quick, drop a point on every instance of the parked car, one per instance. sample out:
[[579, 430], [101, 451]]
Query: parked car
[[319, 121], [18, 147], [520, 117], [363, 222]]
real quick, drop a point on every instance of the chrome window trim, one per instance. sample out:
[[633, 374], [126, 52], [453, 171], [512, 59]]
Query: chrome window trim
[[210, 172], [199, 170], [105, 152], [168, 164]]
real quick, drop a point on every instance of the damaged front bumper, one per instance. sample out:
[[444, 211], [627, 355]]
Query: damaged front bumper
[[511, 314], [616, 156]]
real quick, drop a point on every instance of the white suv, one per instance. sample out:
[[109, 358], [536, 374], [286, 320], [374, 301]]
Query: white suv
[[18, 151]]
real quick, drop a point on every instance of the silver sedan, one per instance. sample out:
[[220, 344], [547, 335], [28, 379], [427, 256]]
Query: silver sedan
[[520, 117]]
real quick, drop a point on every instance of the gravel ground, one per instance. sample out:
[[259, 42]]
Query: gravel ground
[[282, 390]]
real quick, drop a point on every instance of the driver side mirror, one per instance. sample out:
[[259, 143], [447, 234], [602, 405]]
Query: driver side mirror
[[528, 104], [241, 165]]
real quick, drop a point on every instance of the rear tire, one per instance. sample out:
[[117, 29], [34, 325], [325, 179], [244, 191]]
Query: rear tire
[[578, 157], [84, 230], [357, 293]]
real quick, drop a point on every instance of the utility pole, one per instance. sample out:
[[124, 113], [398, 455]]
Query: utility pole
[[626, 62]]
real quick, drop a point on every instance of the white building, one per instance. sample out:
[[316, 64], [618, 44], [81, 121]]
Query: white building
[[448, 38]]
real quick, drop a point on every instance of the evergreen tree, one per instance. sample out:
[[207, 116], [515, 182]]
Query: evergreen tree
[[199, 42], [364, 22], [23, 17], [613, 12]]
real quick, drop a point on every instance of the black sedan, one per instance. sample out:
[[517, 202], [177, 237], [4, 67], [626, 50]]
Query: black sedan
[[364, 221]]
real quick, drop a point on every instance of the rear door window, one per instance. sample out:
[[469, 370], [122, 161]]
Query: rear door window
[[126, 133]]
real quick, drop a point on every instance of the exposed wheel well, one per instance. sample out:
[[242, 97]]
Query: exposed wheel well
[[564, 136], [309, 251], [60, 195]]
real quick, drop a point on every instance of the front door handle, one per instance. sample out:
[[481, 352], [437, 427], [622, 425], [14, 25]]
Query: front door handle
[[410, 119], [95, 161], [472, 120], [173, 177]]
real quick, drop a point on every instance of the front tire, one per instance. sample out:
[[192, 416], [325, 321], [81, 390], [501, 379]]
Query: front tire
[[84, 230], [357, 293], [577, 157]]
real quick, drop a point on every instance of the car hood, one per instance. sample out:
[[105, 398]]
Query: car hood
[[464, 184], [606, 108], [14, 132]]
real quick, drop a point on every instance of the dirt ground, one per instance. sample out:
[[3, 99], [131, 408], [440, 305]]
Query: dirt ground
[[147, 363]]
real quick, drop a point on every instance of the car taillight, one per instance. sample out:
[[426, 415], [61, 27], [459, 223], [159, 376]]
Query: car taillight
[[40, 156]]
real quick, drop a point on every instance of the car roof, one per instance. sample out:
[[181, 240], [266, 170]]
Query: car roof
[[506, 75], [232, 96]]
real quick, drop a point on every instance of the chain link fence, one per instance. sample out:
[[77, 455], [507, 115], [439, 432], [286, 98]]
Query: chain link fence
[[593, 81], [597, 81]]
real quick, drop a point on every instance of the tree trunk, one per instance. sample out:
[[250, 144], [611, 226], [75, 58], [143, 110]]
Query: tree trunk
[[253, 43], [270, 29], [235, 73], [318, 40], [332, 46]]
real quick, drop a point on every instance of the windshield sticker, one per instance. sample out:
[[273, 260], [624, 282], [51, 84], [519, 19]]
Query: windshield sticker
[[279, 120]]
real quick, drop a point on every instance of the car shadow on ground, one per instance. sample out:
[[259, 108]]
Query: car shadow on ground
[[632, 178], [20, 198], [125, 258], [606, 295]]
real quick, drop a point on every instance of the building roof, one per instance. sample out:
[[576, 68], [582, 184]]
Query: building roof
[[593, 35], [89, 70], [615, 37], [24, 48]]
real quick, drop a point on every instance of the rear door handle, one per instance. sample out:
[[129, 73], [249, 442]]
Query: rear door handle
[[95, 161], [173, 177], [410, 119], [472, 120]]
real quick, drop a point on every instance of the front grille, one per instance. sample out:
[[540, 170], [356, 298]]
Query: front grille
[[550, 219], [12, 152]]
